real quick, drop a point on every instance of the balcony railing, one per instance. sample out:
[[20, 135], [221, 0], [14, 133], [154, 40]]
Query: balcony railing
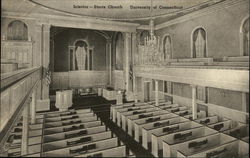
[[16, 88]]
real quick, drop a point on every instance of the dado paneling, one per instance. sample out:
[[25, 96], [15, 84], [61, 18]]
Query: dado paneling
[[78, 79]]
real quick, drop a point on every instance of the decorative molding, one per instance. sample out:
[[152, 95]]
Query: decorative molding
[[76, 22], [202, 12]]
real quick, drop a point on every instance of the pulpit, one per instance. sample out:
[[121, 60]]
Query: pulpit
[[64, 100]]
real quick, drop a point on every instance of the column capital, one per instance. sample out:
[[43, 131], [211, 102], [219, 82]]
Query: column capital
[[109, 41], [193, 86], [127, 34], [46, 27]]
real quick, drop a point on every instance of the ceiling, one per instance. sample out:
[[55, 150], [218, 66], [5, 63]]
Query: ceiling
[[164, 9]]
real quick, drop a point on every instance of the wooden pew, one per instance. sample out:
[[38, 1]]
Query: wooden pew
[[76, 141], [136, 115], [63, 118], [70, 122], [153, 116], [72, 127], [222, 126], [32, 149], [240, 131], [208, 120], [231, 149], [169, 140], [119, 151], [83, 149], [168, 106], [147, 130], [194, 146], [176, 109], [59, 113], [129, 111], [158, 134], [58, 138], [200, 114], [75, 133], [113, 108], [139, 124]]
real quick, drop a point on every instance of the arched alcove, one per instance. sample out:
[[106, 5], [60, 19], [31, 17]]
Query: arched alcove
[[199, 43], [167, 47], [17, 30]]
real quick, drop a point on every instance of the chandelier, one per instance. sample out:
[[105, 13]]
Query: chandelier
[[149, 52]]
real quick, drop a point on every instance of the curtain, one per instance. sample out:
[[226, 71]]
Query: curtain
[[199, 43], [167, 48], [81, 57]]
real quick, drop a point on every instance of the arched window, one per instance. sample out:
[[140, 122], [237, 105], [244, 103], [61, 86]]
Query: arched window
[[199, 49], [17, 30], [167, 47], [143, 35], [245, 33], [81, 51], [119, 48]]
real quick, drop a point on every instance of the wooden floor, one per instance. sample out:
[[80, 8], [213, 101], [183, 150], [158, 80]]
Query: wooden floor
[[101, 107]]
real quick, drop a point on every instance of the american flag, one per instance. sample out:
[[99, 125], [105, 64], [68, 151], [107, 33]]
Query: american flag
[[47, 75], [131, 72]]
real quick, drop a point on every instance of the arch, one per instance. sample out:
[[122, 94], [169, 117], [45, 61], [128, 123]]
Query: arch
[[143, 34], [199, 43], [244, 36], [17, 30], [119, 49], [167, 46]]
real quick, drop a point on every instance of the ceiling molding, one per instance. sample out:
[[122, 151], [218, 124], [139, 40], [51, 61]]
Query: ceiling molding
[[75, 22], [199, 13], [143, 27]]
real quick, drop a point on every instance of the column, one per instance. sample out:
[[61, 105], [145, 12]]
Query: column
[[156, 93], [127, 52], [109, 61], [45, 57], [133, 58], [194, 105], [37, 53], [33, 107], [25, 131]]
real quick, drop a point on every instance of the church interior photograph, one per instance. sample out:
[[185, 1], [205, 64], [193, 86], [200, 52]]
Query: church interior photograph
[[124, 78]]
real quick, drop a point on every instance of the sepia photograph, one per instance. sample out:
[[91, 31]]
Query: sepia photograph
[[125, 78]]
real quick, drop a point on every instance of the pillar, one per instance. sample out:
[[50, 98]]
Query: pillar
[[194, 105], [127, 52], [156, 93], [45, 57], [33, 108], [133, 59], [109, 61], [25, 131], [37, 53]]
